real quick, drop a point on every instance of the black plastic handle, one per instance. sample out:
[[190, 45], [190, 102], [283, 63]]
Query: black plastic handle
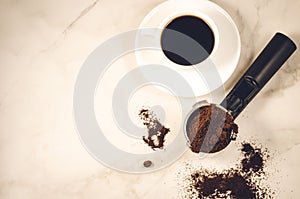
[[269, 61]]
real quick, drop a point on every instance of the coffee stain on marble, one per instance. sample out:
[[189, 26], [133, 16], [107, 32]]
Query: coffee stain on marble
[[259, 6], [286, 77], [285, 140]]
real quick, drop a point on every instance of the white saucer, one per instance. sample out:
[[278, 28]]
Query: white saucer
[[223, 60]]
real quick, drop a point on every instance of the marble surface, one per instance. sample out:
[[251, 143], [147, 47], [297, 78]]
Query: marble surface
[[43, 45]]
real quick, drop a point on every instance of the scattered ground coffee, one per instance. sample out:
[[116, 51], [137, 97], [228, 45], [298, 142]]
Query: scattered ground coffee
[[156, 131], [253, 161], [210, 129], [242, 182]]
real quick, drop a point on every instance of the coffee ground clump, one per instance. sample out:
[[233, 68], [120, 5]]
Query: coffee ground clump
[[253, 161], [156, 131], [242, 182], [210, 129]]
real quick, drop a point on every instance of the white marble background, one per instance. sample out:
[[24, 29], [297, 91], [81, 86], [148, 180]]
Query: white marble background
[[44, 43]]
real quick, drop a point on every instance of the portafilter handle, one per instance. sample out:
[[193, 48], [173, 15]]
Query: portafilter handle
[[269, 61]]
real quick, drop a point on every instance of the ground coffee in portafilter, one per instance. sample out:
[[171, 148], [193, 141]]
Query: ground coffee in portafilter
[[210, 129]]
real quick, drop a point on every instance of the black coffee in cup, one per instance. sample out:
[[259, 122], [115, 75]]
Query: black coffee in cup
[[187, 40]]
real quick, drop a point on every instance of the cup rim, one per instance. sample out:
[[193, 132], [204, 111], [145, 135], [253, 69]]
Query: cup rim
[[226, 51], [204, 18]]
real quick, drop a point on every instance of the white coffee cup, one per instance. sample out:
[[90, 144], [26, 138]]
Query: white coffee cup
[[223, 58]]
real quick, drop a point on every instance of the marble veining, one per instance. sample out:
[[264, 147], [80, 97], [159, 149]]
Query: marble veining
[[82, 14], [43, 45]]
